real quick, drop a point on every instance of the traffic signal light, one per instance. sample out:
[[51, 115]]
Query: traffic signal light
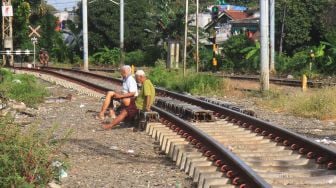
[[215, 11]]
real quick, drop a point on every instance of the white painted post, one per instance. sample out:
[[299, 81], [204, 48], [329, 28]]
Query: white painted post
[[264, 45], [122, 55], [272, 36], [85, 37]]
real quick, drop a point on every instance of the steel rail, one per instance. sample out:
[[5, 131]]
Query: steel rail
[[279, 81], [313, 150], [242, 172], [236, 169], [97, 88], [106, 78]]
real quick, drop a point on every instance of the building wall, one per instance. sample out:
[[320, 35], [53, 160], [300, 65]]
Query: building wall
[[203, 19]]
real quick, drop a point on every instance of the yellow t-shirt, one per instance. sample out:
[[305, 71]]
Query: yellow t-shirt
[[147, 89]]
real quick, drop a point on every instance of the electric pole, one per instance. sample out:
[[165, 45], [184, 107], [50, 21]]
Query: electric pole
[[122, 55], [7, 31], [264, 45], [197, 36], [185, 38], [85, 36], [272, 36]]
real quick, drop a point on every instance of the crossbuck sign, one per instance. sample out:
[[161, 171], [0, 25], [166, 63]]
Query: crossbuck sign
[[34, 32]]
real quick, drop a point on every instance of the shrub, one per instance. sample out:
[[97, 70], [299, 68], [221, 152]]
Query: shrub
[[234, 58], [193, 83], [22, 88], [206, 58], [152, 54], [26, 158], [107, 56], [136, 58], [161, 76]]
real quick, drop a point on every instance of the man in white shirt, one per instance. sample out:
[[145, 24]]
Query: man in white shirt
[[129, 92]]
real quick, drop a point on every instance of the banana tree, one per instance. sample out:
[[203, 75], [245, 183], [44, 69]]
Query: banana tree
[[253, 53]]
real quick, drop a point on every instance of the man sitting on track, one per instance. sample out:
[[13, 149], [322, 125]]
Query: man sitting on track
[[129, 92], [143, 102]]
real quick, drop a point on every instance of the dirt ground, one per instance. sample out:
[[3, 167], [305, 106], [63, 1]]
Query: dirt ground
[[117, 158]]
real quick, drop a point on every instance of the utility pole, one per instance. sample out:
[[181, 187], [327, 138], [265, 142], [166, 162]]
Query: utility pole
[[264, 45], [85, 36], [197, 36], [272, 36], [185, 38], [122, 54], [7, 32]]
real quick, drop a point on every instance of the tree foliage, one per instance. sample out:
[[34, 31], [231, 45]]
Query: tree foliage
[[306, 22], [104, 22]]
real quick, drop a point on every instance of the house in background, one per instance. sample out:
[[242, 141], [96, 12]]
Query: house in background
[[70, 38], [232, 21], [204, 19]]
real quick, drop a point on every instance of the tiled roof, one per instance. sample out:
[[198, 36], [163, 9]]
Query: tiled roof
[[236, 15]]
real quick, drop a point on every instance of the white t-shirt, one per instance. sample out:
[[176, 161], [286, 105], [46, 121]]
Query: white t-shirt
[[129, 86]]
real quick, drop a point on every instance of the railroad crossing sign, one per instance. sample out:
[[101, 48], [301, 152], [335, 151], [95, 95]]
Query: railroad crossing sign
[[34, 32]]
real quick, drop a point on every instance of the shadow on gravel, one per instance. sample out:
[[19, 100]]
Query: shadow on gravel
[[93, 148]]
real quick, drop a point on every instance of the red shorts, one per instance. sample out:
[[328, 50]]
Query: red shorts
[[131, 109]]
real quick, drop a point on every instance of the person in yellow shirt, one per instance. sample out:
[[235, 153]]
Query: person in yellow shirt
[[144, 100], [146, 95]]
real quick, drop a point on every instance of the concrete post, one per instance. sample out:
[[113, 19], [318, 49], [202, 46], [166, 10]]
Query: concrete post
[[264, 45], [85, 37]]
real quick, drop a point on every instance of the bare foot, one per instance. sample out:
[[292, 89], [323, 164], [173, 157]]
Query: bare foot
[[100, 117], [107, 126]]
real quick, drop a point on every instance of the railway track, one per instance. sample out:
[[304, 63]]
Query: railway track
[[281, 81], [277, 81], [220, 147]]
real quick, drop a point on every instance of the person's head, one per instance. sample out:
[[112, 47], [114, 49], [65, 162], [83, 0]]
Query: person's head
[[125, 71], [140, 76]]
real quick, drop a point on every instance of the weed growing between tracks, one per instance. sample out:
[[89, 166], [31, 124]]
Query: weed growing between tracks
[[26, 156], [320, 104], [22, 88], [193, 83]]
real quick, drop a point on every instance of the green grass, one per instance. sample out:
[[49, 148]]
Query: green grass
[[26, 156], [320, 104], [24, 88], [193, 83]]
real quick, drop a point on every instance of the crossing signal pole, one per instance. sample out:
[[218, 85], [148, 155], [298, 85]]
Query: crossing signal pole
[[215, 11], [214, 53], [7, 30]]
